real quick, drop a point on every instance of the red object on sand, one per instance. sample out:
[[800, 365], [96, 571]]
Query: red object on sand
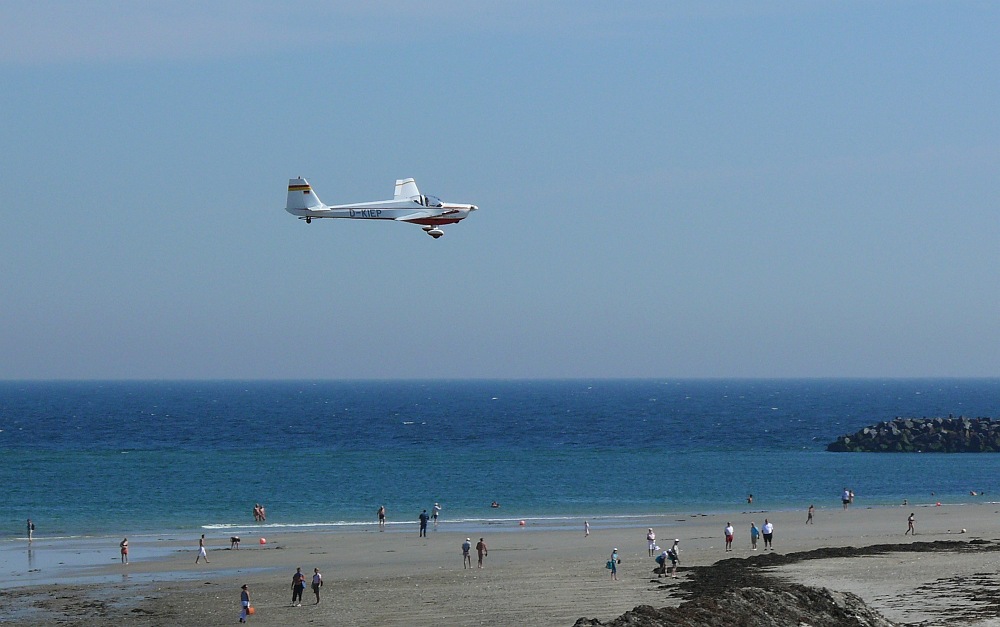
[[263, 540]]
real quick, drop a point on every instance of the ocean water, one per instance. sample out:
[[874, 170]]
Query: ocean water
[[125, 458]]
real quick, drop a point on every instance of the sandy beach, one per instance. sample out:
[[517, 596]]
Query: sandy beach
[[532, 575]]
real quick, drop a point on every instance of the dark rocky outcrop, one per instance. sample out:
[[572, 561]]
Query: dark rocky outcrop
[[791, 605], [923, 435], [741, 593]]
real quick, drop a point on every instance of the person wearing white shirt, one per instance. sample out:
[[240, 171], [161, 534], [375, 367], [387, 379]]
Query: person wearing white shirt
[[767, 531]]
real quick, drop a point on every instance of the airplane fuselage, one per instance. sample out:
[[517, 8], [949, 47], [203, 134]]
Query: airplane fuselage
[[386, 210]]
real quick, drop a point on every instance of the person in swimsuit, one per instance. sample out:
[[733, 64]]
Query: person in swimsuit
[[201, 550]]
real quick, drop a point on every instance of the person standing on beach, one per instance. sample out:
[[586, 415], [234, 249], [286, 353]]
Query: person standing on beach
[[586, 529], [435, 512], [201, 550], [124, 547], [754, 534], [317, 583], [909, 525], [651, 540], [31, 530], [768, 531], [613, 563], [809, 515], [845, 497], [466, 555], [244, 603], [674, 556], [298, 585], [381, 517], [729, 531], [482, 551], [423, 523]]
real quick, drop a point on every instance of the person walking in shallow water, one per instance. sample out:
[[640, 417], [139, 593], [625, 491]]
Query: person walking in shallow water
[[31, 530], [909, 525], [381, 517], [124, 548]]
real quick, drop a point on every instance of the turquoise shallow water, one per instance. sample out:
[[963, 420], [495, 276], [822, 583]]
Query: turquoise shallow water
[[122, 458]]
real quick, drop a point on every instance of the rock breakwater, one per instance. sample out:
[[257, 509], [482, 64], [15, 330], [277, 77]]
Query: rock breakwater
[[923, 435]]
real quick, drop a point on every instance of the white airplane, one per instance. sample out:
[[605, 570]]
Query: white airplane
[[407, 205]]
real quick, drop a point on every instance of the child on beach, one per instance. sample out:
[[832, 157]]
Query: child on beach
[[244, 603], [754, 534]]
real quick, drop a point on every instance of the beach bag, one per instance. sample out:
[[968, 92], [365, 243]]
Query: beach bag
[[250, 610], [609, 565]]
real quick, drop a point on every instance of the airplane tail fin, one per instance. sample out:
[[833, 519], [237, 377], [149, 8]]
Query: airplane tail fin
[[406, 188], [301, 196]]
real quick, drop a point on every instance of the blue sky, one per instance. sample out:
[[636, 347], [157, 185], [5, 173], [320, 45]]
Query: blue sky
[[690, 189]]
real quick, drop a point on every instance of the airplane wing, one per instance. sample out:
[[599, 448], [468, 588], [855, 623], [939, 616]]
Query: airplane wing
[[418, 215]]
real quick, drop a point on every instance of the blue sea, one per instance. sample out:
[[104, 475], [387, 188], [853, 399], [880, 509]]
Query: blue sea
[[127, 458]]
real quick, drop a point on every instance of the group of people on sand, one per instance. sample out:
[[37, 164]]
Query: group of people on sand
[[259, 515], [481, 550], [298, 587]]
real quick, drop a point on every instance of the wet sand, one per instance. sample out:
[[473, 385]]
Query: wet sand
[[532, 575]]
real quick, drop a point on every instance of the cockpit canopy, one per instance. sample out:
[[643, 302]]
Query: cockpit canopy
[[431, 201]]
